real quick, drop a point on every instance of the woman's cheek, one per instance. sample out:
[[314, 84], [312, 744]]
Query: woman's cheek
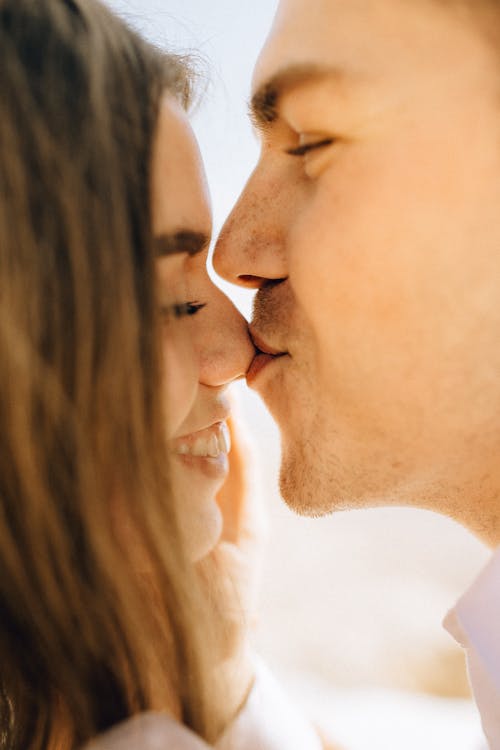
[[181, 378]]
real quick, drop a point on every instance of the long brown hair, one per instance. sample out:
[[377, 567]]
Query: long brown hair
[[81, 421]]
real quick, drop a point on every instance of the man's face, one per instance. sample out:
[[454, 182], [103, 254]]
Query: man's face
[[376, 250]]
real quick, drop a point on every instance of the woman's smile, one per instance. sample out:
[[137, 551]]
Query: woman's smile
[[206, 343], [206, 450]]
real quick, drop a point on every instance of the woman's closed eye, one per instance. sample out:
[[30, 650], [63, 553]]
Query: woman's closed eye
[[181, 309]]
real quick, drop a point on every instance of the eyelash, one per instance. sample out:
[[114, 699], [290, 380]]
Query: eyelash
[[182, 309], [307, 147]]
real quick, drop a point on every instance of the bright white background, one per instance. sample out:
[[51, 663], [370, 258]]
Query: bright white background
[[227, 34], [352, 604]]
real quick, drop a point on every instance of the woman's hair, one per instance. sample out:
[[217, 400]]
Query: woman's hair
[[81, 420]]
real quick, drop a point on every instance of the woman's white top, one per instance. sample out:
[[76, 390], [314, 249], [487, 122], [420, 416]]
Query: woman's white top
[[268, 721]]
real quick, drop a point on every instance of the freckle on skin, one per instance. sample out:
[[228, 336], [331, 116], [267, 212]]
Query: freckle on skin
[[254, 236]]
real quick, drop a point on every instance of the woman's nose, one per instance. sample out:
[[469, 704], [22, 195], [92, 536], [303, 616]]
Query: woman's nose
[[222, 341]]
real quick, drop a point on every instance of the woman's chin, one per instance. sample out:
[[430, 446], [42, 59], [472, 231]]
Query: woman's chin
[[196, 482], [203, 533]]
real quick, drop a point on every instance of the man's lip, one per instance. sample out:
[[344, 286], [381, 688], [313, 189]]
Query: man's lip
[[263, 346], [259, 363]]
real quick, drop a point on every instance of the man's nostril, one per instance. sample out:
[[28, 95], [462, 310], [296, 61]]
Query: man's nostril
[[252, 282], [258, 282], [273, 282]]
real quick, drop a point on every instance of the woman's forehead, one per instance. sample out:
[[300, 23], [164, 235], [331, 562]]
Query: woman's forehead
[[180, 198]]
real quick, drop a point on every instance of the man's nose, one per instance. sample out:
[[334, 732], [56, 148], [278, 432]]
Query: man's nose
[[250, 250], [223, 343]]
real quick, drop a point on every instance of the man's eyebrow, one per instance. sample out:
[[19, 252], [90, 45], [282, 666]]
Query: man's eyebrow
[[184, 241], [264, 104]]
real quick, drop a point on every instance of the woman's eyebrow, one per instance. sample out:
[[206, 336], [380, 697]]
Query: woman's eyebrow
[[184, 241]]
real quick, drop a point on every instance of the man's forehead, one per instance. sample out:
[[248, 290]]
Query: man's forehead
[[354, 40], [302, 43]]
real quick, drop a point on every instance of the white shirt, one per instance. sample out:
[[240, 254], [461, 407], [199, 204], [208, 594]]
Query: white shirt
[[475, 624], [268, 721]]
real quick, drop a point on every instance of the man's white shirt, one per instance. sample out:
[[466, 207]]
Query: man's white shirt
[[475, 624]]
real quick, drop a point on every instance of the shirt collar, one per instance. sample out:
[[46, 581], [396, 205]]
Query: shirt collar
[[475, 620]]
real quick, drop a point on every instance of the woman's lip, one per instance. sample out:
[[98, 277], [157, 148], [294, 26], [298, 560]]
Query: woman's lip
[[205, 451], [209, 442], [214, 469], [194, 434]]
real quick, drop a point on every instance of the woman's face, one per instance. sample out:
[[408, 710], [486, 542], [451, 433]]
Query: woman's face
[[205, 340]]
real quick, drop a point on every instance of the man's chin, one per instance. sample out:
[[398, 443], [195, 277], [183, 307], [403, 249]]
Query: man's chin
[[304, 486], [315, 483]]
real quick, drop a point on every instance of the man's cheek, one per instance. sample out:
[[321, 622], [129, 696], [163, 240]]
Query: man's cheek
[[313, 290], [324, 282]]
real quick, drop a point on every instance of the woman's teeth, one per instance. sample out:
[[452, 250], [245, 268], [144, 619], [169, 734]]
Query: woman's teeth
[[209, 443]]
